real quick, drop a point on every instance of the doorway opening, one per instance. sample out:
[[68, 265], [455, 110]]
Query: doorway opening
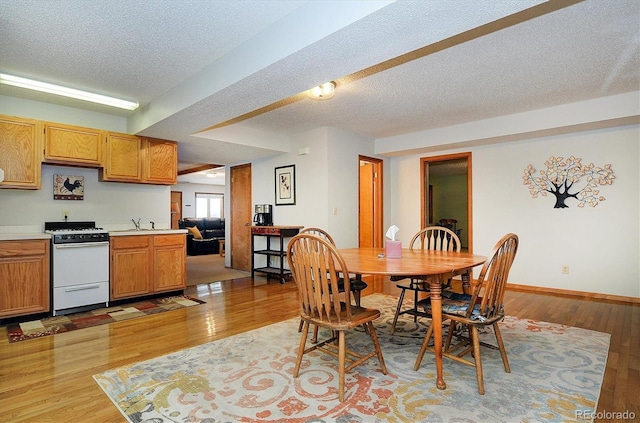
[[446, 194], [176, 208]]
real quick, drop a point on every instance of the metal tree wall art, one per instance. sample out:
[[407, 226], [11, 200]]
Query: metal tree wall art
[[569, 179]]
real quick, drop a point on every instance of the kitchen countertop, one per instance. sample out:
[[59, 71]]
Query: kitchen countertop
[[23, 236], [41, 235], [128, 232]]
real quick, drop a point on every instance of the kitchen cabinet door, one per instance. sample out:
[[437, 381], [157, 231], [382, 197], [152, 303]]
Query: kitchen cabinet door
[[169, 262], [131, 268], [24, 277], [66, 144], [161, 162], [21, 152], [122, 158]]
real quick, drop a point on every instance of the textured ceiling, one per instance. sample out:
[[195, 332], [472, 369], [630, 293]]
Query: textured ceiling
[[237, 66]]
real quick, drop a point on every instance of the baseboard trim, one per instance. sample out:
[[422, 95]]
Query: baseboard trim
[[573, 294]]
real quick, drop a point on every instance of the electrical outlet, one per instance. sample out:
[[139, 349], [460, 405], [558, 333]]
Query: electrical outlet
[[565, 270], [335, 211], [65, 215]]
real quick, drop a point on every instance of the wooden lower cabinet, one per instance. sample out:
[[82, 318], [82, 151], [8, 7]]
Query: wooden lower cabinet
[[24, 277], [170, 262], [147, 264], [131, 266]]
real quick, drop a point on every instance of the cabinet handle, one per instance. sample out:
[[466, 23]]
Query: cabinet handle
[[82, 288], [81, 245]]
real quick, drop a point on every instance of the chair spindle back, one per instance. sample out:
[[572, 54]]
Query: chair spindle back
[[436, 238], [315, 264], [492, 281], [318, 232]]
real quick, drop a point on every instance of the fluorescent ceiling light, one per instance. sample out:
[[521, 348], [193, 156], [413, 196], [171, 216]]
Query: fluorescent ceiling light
[[30, 84]]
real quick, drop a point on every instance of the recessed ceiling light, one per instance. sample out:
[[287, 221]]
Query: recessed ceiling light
[[45, 87], [322, 92]]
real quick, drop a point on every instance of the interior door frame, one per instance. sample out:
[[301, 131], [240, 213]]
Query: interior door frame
[[424, 186]]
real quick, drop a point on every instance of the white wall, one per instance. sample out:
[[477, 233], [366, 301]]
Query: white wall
[[600, 245], [14, 106], [111, 205], [326, 179], [344, 172], [311, 179]]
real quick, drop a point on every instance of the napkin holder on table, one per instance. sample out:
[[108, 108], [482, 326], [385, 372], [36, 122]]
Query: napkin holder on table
[[393, 248]]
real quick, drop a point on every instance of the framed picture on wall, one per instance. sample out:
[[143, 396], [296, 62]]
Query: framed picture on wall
[[68, 187], [285, 185]]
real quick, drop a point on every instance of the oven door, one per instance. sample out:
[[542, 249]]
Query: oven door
[[85, 262], [80, 274]]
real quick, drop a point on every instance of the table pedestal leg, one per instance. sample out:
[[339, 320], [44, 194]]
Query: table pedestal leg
[[436, 321], [466, 282]]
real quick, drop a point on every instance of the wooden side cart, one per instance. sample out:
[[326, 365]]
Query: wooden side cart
[[275, 252]]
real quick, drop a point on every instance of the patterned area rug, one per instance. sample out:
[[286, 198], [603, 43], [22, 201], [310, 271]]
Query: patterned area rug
[[58, 324], [556, 375]]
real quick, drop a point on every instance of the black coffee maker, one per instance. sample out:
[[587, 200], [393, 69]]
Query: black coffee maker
[[263, 215]]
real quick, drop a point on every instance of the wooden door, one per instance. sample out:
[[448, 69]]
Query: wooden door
[[370, 213], [365, 209], [176, 197], [370, 202], [241, 215]]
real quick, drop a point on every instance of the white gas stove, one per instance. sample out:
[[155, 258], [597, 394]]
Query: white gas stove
[[80, 266]]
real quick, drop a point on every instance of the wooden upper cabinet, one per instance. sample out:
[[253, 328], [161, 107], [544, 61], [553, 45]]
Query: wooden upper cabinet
[[66, 144], [20, 152], [160, 161], [26, 143], [122, 158]]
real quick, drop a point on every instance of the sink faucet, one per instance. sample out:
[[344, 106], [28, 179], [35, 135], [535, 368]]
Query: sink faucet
[[137, 224], [153, 224]]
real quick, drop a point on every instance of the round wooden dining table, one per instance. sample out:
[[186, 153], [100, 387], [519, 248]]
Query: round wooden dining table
[[436, 267]]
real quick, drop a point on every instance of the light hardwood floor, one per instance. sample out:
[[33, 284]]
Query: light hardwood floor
[[50, 379]]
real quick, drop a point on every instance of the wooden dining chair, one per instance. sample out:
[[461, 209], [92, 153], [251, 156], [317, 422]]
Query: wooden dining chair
[[356, 285], [315, 264], [483, 307], [430, 238]]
